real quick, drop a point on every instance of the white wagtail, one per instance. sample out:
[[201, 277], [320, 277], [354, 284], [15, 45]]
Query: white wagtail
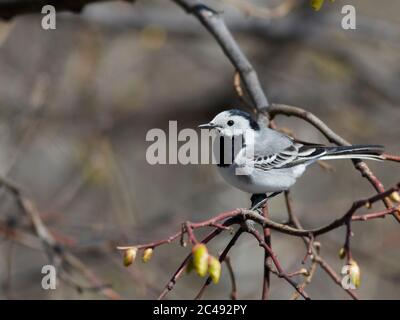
[[272, 159]]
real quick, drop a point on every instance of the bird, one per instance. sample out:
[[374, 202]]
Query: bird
[[264, 162]]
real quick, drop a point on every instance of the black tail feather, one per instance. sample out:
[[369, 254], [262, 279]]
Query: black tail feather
[[357, 149], [369, 152]]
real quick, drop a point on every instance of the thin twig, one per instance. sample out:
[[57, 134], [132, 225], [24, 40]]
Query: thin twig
[[391, 157], [234, 292], [55, 252], [316, 258], [171, 283], [267, 239], [277, 264]]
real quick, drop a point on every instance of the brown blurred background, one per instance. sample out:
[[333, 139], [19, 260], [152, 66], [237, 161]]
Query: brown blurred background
[[76, 104]]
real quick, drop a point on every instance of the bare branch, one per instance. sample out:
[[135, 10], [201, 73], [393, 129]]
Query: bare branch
[[215, 24], [12, 8], [361, 166], [54, 250], [234, 292], [315, 253], [267, 239]]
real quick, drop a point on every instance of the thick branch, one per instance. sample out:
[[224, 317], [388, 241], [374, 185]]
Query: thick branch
[[215, 24], [12, 8], [238, 215]]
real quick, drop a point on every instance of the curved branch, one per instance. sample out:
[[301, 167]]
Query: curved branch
[[361, 166], [215, 24], [284, 228]]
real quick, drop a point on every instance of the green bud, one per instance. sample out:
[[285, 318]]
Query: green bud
[[355, 274], [129, 256], [147, 254], [214, 268], [200, 259], [317, 4], [342, 253]]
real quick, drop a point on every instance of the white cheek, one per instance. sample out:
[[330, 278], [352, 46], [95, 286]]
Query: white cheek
[[226, 132]]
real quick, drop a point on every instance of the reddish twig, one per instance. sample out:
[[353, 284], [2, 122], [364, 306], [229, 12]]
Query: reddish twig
[[187, 228], [245, 214], [234, 292], [277, 264], [391, 157], [267, 239], [375, 215], [316, 258], [328, 269], [171, 283]]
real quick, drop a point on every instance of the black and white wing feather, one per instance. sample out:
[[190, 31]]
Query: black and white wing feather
[[300, 152]]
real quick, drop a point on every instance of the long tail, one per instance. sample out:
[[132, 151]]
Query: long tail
[[368, 152]]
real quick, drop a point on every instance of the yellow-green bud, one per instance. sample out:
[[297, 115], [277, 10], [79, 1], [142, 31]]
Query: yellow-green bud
[[342, 253], [317, 4], [355, 274], [395, 196], [214, 268], [200, 259], [129, 256], [147, 254], [304, 272]]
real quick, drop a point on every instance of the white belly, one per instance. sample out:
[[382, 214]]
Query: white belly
[[259, 181]]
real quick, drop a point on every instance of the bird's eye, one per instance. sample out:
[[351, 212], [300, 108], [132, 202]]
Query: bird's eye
[[230, 123]]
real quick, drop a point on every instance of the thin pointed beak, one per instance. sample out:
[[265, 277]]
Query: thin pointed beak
[[207, 126]]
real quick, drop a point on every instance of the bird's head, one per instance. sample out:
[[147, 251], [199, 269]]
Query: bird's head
[[232, 122]]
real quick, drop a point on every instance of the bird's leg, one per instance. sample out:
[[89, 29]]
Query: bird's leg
[[258, 200]]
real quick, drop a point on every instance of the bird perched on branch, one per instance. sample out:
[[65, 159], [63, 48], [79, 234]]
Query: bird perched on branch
[[265, 162]]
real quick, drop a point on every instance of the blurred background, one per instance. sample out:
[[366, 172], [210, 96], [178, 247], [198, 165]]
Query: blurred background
[[76, 104]]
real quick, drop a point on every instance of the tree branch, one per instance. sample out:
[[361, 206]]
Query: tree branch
[[361, 166], [215, 24], [314, 254], [234, 292], [267, 239], [54, 250], [12, 8]]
